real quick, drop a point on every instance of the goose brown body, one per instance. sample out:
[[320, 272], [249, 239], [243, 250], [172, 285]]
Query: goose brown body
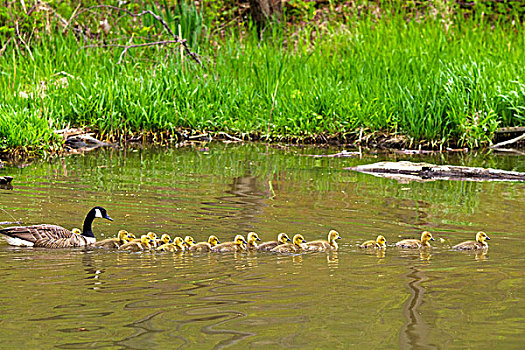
[[379, 243], [238, 244], [474, 245], [416, 243], [282, 238], [322, 245], [54, 236], [297, 245], [205, 246]]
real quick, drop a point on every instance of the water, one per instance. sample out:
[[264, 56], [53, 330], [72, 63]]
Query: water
[[77, 299]]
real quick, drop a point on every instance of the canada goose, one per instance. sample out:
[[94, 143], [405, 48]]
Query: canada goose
[[238, 244], [471, 245], [379, 243], [282, 238], [416, 243], [205, 246], [53, 236], [297, 245], [176, 246], [145, 243], [123, 237], [252, 240], [322, 245]]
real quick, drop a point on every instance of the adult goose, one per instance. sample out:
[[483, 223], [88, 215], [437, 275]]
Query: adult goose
[[54, 236]]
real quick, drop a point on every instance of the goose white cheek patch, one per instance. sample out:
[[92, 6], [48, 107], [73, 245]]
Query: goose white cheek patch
[[98, 213]]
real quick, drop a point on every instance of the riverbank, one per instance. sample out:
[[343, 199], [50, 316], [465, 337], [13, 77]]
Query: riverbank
[[417, 82]]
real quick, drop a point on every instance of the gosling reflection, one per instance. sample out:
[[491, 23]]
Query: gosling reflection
[[332, 260], [415, 332], [481, 254], [425, 254]]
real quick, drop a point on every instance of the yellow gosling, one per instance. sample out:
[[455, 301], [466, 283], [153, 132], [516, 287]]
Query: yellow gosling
[[282, 238], [416, 243], [253, 238], [297, 245], [123, 237], [164, 239], [322, 245], [189, 241], [379, 243], [238, 245], [176, 246], [480, 243], [205, 246], [145, 243]]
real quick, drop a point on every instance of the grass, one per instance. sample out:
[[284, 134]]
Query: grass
[[410, 78]]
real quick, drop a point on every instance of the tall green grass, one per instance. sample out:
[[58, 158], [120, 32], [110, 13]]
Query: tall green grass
[[412, 78]]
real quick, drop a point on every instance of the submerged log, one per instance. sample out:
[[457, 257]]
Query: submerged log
[[430, 172]]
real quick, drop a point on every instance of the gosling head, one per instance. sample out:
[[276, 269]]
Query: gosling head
[[146, 241], [76, 231], [213, 240], [283, 238], [239, 240], [179, 243], [298, 239], [481, 237], [123, 236], [333, 235], [426, 236], [152, 235], [253, 237], [381, 240], [165, 238], [131, 237], [189, 241]]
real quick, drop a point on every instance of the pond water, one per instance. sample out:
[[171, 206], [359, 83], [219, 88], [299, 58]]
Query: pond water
[[350, 299]]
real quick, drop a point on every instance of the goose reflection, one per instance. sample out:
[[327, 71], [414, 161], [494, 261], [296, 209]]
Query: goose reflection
[[414, 333]]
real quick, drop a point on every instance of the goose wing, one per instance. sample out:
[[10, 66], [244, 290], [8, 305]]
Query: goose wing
[[73, 241], [37, 232]]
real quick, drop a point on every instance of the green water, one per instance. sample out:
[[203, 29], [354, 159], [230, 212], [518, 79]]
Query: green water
[[444, 299]]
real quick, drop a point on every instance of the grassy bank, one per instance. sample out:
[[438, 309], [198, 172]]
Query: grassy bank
[[422, 80]]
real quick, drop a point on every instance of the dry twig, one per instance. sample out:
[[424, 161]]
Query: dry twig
[[176, 38]]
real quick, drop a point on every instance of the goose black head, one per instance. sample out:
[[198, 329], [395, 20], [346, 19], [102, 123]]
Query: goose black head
[[101, 213]]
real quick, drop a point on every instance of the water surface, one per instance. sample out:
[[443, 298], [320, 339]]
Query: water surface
[[77, 299]]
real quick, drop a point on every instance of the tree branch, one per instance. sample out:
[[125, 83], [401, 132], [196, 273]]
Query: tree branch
[[176, 38]]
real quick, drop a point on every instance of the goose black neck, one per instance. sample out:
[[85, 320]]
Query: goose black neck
[[86, 229]]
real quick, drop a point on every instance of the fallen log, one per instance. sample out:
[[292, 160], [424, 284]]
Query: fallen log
[[5, 180], [430, 172]]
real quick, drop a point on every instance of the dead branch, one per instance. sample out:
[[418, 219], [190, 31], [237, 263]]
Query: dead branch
[[23, 41], [508, 142], [131, 46], [176, 38], [5, 46]]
